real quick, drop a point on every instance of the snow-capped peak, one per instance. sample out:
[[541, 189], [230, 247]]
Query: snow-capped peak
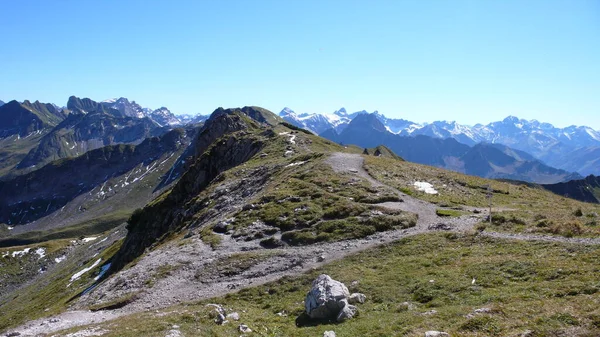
[[341, 112], [286, 111]]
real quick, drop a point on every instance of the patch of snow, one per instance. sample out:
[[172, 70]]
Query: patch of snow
[[41, 252], [78, 274], [296, 163], [292, 137], [20, 253], [91, 238], [425, 187], [60, 259], [10, 228]]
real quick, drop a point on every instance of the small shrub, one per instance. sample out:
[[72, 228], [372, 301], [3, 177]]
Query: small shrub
[[578, 212], [498, 219], [341, 211], [448, 213], [480, 227], [484, 324], [566, 319], [568, 229]]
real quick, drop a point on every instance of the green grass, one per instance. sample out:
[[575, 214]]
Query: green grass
[[50, 295], [210, 238], [548, 288], [309, 208], [448, 212], [87, 228], [525, 207]]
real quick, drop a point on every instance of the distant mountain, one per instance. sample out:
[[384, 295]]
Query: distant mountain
[[24, 118], [587, 189], [318, 123], [1, 103], [573, 148], [97, 175], [486, 160], [192, 119], [91, 125], [126, 108]]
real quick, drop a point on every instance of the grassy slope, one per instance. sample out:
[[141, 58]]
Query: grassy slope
[[544, 287], [51, 294], [517, 207], [13, 150]]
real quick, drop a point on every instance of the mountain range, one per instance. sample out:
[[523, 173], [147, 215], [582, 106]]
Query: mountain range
[[574, 148], [483, 159], [35, 134], [233, 219]]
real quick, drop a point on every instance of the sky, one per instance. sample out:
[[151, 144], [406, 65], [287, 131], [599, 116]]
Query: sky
[[423, 60]]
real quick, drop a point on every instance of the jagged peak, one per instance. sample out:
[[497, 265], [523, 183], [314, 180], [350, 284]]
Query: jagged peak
[[368, 119], [286, 111], [341, 112]]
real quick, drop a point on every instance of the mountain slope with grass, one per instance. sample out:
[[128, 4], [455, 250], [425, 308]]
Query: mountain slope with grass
[[32, 196], [587, 189], [263, 207]]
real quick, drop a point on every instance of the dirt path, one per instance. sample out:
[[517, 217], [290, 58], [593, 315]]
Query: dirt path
[[180, 287]]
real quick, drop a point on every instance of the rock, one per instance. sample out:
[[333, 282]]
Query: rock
[[527, 333], [234, 316], [262, 155], [439, 227], [220, 319], [436, 334], [430, 312], [220, 227], [328, 299], [174, 333], [483, 311], [347, 312], [320, 258], [329, 333], [357, 298], [243, 328], [248, 207], [13, 334], [406, 306]]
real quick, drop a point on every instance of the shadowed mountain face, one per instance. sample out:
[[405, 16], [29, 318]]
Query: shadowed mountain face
[[242, 133], [485, 160], [34, 195], [91, 125], [25, 118], [587, 189]]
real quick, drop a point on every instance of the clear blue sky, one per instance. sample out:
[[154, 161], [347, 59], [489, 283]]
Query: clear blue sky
[[470, 61]]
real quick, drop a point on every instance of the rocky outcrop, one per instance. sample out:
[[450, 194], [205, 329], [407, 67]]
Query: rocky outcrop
[[328, 299], [228, 139]]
